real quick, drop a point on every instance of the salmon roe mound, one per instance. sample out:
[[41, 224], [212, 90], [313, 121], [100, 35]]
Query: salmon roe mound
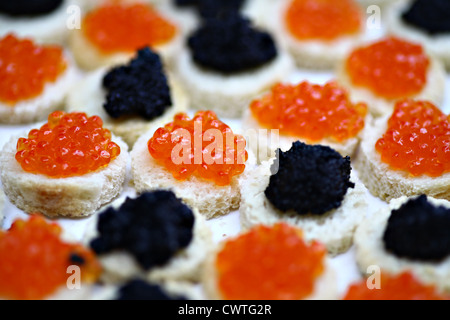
[[269, 263], [116, 27], [403, 286], [35, 261], [391, 68], [69, 144], [202, 146], [417, 139], [26, 68], [310, 111], [323, 19]]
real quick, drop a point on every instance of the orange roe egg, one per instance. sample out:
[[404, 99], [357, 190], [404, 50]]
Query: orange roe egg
[[403, 286], [69, 144], [34, 260], [310, 111], [116, 27], [202, 146], [26, 68], [269, 263], [323, 19], [417, 139], [391, 68]]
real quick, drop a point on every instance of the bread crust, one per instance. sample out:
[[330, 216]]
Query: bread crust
[[71, 197], [370, 251]]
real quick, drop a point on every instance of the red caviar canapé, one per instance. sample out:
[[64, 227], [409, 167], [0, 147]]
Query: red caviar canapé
[[269, 263], [69, 144], [417, 139], [35, 260], [26, 68], [391, 68], [403, 286], [323, 19], [310, 111], [116, 27], [202, 146]]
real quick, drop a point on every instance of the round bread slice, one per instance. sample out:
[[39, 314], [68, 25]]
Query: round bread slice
[[229, 95], [70, 197], [378, 106], [89, 96], [438, 45], [386, 183], [325, 287], [334, 229], [52, 98], [210, 200], [370, 251], [184, 267]]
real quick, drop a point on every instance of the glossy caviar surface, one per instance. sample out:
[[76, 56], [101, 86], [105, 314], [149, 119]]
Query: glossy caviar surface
[[391, 68], [323, 19], [286, 268], [69, 144], [430, 16], [417, 139], [310, 111], [35, 261], [125, 28], [202, 146], [404, 286], [26, 68]]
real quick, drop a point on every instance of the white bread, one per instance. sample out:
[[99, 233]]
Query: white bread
[[379, 106], [89, 57], [88, 96], [262, 144], [385, 183], [325, 287], [438, 45], [48, 28], [229, 95], [210, 200], [71, 197], [334, 229], [369, 249], [184, 267], [52, 98]]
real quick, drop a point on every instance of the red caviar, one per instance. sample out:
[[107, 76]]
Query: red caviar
[[269, 263], [417, 139], [323, 19], [26, 68], [403, 286], [202, 146], [34, 260], [69, 144], [310, 111], [391, 68], [116, 27]]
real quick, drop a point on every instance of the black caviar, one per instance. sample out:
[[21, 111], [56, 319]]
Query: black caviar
[[431, 16], [28, 7], [230, 44], [211, 8], [137, 289], [139, 88], [419, 230], [309, 179], [152, 228]]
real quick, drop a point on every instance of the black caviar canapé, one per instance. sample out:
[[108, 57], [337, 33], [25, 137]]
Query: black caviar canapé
[[430, 16], [138, 289], [309, 179], [211, 8], [28, 7], [152, 228], [139, 88], [418, 230], [230, 44]]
